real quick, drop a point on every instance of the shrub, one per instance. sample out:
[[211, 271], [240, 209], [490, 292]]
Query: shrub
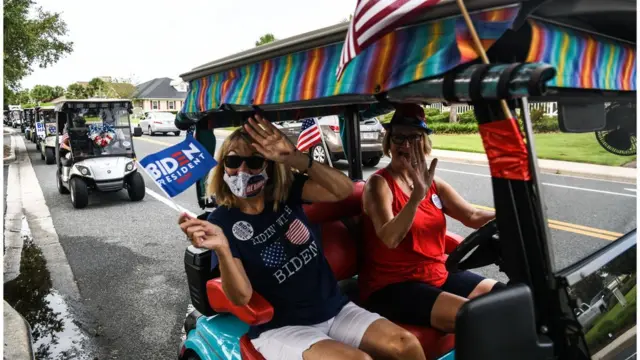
[[467, 117], [454, 128], [429, 111], [440, 118], [537, 115]]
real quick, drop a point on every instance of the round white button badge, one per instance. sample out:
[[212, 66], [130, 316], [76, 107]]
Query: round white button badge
[[436, 201]]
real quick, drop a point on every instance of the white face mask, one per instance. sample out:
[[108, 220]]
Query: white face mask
[[245, 185]]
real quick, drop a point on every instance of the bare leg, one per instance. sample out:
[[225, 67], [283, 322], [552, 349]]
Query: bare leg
[[386, 340], [444, 311], [333, 350], [482, 288]]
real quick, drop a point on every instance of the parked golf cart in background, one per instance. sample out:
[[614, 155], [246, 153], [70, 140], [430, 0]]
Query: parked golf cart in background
[[16, 117], [428, 61], [102, 157], [29, 123], [48, 144]]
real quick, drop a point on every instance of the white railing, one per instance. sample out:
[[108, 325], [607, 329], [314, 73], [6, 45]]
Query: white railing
[[550, 108]]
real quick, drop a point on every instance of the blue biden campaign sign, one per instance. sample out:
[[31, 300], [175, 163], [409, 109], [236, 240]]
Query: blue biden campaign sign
[[176, 168]]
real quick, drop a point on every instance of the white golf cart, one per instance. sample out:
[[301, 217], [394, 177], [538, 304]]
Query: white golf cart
[[47, 146], [95, 151]]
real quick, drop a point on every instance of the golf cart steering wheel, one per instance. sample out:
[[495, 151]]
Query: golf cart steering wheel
[[478, 249]]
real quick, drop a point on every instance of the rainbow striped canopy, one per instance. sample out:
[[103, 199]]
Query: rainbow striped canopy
[[401, 57], [304, 77], [582, 60]]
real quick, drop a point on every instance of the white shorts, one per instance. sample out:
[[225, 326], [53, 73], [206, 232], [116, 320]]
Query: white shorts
[[289, 342]]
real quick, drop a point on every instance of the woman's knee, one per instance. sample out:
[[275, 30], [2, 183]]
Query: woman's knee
[[405, 345], [331, 349], [484, 287], [444, 311]]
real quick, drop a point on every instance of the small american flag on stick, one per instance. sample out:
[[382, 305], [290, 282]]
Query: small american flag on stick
[[309, 135], [375, 18]]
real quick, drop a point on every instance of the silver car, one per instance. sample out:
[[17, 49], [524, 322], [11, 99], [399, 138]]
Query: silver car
[[371, 134], [153, 122]]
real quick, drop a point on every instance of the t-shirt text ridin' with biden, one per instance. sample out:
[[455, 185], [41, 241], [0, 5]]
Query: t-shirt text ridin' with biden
[[274, 255]]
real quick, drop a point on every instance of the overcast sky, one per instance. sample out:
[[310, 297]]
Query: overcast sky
[[147, 39]]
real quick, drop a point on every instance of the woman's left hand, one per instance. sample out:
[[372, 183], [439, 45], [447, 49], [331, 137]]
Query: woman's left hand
[[269, 140]]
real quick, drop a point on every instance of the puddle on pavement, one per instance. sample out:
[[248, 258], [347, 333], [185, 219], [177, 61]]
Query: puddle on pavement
[[53, 328]]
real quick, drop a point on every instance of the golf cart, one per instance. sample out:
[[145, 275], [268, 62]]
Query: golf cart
[[29, 124], [431, 60], [45, 119], [95, 151], [16, 116], [48, 144]]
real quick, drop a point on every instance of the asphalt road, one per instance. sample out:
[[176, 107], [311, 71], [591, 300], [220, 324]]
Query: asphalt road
[[127, 257]]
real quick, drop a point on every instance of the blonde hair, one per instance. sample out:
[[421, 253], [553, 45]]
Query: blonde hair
[[386, 143], [276, 190]]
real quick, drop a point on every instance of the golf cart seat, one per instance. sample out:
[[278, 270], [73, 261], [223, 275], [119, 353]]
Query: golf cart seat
[[339, 224]]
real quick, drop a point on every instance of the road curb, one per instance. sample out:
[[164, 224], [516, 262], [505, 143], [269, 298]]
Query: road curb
[[17, 335], [13, 225], [12, 151], [41, 225]]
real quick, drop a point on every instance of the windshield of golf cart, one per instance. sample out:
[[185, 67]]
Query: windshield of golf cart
[[48, 117], [99, 132]]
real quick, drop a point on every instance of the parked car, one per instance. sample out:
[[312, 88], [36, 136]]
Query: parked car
[[153, 122], [371, 134]]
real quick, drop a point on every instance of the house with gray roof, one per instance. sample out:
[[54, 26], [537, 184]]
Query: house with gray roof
[[162, 94]]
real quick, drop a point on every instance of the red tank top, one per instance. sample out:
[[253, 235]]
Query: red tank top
[[421, 254]]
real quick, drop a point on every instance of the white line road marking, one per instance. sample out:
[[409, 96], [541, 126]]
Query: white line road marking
[[168, 202], [591, 190], [632, 190], [549, 184]]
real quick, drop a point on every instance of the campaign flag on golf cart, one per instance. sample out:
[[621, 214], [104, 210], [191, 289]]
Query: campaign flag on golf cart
[[178, 167], [309, 134], [375, 18], [40, 129]]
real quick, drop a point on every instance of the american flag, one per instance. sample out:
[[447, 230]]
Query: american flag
[[274, 255], [309, 134], [375, 18], [298, 233]]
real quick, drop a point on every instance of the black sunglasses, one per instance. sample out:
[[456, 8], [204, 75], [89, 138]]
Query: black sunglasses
[[400, 139], [235, 161]]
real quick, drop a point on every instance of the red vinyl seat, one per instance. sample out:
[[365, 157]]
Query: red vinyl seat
[[340, 245]]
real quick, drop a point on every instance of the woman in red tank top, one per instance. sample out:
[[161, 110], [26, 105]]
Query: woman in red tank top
[[403, 276]]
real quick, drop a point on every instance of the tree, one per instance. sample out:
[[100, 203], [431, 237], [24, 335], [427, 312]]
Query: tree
[[30, 40], [76, 91], [97, 88], [42, 93], [58, 91], [23, 97], [265, 39]]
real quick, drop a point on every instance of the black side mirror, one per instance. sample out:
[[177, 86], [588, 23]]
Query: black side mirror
[[500, 325]]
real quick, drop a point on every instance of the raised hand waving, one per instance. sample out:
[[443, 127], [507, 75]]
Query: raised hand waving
[[269, 140]]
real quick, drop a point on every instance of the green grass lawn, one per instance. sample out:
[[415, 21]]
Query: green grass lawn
[[617, 319], [555, 146]]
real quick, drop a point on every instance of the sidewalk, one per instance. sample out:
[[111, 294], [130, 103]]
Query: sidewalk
[[17, 333], [612, 173]]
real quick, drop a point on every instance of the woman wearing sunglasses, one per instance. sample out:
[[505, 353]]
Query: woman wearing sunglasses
[[403, 276], [264, 243]]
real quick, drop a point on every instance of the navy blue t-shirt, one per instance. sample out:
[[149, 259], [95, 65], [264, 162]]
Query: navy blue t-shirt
[[282, 256]]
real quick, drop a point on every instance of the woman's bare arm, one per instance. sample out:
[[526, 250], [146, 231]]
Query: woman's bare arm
[[377, 201], [458, 208]]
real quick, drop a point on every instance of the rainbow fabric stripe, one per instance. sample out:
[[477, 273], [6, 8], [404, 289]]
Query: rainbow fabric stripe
[[401, 57], [582, 60]]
